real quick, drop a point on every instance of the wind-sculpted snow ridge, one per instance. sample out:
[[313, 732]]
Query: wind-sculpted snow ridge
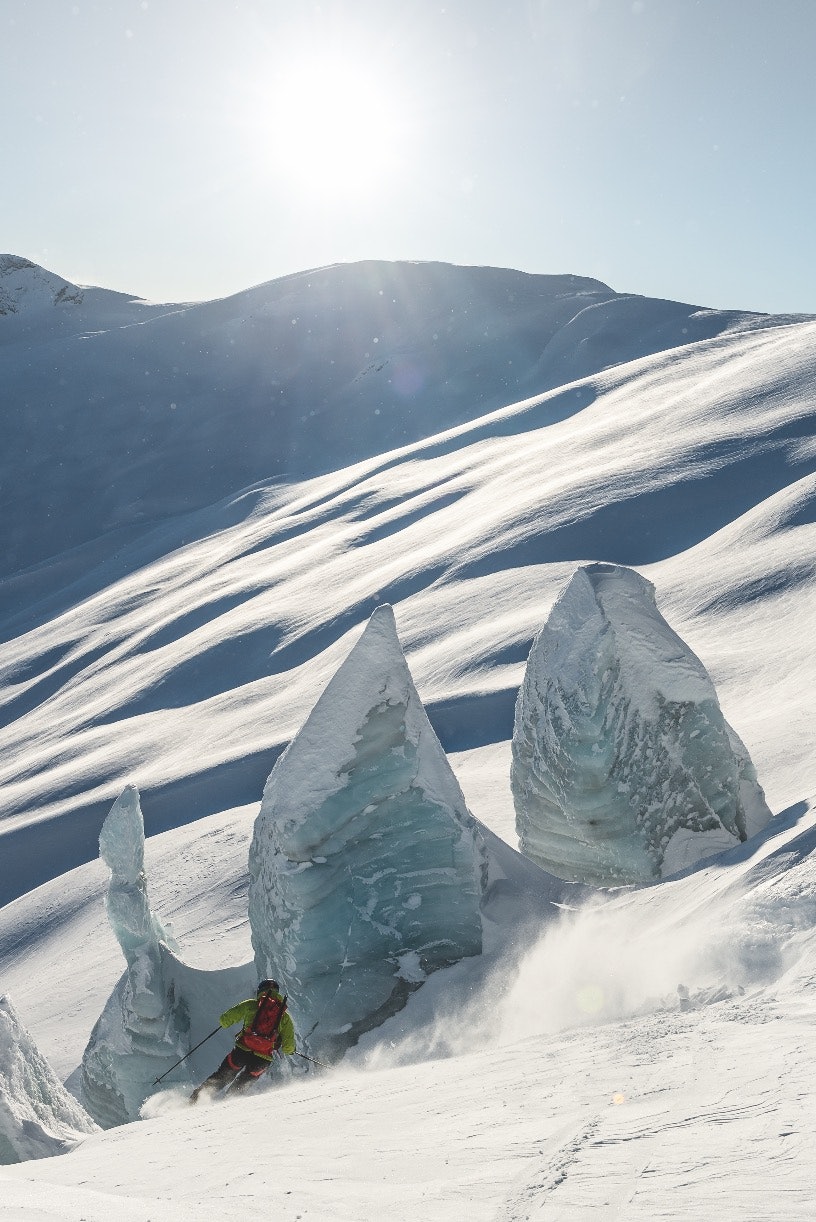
[[144, 1027], [624, 768], [366, 869], [38, 1117]]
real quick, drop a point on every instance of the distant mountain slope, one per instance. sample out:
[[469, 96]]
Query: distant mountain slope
[[31, 293], [120, 412], [185, 653]]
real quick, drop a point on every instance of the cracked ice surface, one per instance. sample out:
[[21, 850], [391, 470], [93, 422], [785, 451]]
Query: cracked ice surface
[[143, 1028], [38, 1117], [624, 768], [366, 868]]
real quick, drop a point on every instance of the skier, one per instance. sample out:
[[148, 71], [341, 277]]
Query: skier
[[266, 1029]]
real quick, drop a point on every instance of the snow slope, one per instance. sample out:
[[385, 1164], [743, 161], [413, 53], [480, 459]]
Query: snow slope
[[187, 657], [160, 409], [184, 648], [601, 1089]]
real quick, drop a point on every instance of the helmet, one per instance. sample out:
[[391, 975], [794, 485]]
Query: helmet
[[265, 985]]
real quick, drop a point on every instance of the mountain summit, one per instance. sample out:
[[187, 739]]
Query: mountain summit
[[25, 285]]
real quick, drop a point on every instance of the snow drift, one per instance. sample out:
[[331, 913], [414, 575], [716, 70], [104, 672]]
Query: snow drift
[[624, 768], [366, 869]]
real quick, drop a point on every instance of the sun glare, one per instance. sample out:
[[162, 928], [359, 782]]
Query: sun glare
[[335, 127]]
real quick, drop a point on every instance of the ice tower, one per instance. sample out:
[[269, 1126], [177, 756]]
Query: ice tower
[[143, 1028], [624, 768], [366, 869]]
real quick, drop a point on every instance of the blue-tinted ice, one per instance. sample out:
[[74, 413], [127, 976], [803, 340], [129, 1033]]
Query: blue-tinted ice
[[366, 869], [624, 768], [144, 1026]]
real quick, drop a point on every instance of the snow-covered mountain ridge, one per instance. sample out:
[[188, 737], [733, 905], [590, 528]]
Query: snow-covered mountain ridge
[[31, 292], [189, 403]]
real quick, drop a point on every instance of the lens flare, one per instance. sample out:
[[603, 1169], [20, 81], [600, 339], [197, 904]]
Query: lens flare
[[330, 127]]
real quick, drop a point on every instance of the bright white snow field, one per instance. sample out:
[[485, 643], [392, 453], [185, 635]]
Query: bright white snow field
[[204, 505]]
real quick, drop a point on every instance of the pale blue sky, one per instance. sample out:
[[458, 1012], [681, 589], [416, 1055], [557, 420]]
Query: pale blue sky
[[189, 148]]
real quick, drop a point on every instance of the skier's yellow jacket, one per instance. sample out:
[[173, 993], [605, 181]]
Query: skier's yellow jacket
[[244, 1013]]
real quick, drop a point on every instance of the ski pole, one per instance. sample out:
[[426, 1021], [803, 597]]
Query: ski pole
[[303, 1057], [184, 1058]]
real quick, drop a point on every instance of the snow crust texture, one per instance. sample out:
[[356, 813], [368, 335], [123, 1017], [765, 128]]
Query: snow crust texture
[[38, 1117], [624, 769], [143, 1029], [366, 869]]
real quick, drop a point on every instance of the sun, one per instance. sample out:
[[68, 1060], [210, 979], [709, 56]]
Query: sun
[[334, 125]]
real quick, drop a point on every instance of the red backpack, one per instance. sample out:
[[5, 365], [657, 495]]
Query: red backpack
[[263, 1033]]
